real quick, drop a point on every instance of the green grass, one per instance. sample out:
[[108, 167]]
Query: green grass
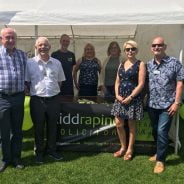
[[94, 168]]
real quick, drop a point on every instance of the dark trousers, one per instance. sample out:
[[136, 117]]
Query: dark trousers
[[11, 119], [88, 90], [161, 123], [45, 112]]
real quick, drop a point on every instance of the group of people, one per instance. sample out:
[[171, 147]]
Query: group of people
[[47, 77]]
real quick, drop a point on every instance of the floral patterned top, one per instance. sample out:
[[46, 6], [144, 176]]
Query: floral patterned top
[[89, 72], [162, 80]]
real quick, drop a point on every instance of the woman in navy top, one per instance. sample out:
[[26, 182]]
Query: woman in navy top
[[90, 68]]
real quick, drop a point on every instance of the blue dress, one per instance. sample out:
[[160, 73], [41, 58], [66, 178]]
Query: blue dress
[[88, 77], [128, 82]]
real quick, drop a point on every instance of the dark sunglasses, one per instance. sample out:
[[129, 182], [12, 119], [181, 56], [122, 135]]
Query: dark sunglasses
[[130, 49], [158, 45]]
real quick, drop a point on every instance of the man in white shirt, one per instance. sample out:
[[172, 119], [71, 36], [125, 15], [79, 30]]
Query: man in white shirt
[[44, 76]]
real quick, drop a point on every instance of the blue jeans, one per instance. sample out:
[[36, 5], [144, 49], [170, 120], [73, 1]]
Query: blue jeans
[[161, 123]]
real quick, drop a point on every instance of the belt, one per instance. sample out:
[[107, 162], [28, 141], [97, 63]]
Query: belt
[[45, 98], [10, 94]]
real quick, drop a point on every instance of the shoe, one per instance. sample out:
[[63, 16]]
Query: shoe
[[128, 155], [55, 156], [119, 153], [39, 159], [3, 166], [153, 158], [159, 167], [18, 165]]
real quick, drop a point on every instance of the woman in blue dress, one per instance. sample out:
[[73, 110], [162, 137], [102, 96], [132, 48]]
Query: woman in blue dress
[[90, 68], [128, 104]]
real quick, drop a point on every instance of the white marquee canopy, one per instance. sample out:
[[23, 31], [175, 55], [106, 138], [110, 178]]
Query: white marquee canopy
[[91, 12], [98, 22]]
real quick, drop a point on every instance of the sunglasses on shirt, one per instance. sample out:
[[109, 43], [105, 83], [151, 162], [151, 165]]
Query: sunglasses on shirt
[[130, 49], [158, 45]]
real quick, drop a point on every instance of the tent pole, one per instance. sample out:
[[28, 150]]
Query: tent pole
[[36, 35], [73, 38]]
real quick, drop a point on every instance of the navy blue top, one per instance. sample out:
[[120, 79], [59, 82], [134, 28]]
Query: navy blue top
[[128, 79], [89, 70]]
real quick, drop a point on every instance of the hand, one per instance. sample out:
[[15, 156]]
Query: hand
[[77, 86], [120, 98], [173, 109], [127, 100]]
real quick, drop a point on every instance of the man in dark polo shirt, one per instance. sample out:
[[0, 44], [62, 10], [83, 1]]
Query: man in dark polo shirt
[[67, 59]]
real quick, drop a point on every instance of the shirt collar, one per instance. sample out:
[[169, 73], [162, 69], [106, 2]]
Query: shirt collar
[[38, 59], [165, 59], [6, 50]]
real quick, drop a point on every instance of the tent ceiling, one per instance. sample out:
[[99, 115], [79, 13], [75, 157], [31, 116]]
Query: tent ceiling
[[91, 12]]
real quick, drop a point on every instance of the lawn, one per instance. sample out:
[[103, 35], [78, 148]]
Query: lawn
[[94, 168]]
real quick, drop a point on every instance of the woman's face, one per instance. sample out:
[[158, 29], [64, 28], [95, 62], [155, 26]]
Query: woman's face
[[114, 51], [130, 51], [89, 52]]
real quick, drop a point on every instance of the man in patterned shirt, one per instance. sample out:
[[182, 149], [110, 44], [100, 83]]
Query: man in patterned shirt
[[12, 76], [165, 76]]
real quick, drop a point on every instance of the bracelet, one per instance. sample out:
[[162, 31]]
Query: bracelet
[[131, 97]]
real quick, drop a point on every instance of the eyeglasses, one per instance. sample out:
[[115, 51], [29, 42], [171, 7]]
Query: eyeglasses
[[131, 49], [158, 45]]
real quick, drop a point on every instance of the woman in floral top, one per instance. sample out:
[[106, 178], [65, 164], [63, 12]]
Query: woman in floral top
[[90, 68]]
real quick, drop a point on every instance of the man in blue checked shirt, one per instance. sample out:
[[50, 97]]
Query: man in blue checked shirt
[[165, 83], [12, 77]]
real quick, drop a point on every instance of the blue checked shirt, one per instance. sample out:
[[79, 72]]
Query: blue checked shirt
[[12, 71], [162, 81]]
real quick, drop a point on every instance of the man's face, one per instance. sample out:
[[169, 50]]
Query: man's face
[[158, 47], [9, 39], [43, 47], [65, 42]]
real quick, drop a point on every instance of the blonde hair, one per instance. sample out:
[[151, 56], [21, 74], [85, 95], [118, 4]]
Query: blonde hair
[[89, 45], [130, 42]]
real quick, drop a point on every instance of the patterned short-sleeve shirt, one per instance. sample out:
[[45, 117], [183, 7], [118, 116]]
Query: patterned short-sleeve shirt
[[162, 79]]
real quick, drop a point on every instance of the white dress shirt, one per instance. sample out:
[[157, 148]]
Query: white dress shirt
[[44, 76]]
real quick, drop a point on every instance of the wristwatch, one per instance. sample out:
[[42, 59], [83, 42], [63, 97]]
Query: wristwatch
[[177, 103]]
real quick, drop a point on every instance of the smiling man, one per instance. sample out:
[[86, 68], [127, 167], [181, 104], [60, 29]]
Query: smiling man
[[44, 77], [12, 75], [165, 78], [67, 59]]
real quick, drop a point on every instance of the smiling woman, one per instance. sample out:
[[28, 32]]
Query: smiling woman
[[128, 104], [90, 68]]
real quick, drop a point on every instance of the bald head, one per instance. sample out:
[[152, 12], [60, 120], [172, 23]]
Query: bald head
[[9, 30], [158, 39], [158, 47], [8, 38]]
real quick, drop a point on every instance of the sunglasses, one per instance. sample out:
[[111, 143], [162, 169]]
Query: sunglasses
[[158, 45], [130, 49]]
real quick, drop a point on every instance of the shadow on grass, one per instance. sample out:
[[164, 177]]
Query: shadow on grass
[[28, 156], [175, 161]]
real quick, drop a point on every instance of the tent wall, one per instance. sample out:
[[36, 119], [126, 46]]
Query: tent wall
[[143, 35]]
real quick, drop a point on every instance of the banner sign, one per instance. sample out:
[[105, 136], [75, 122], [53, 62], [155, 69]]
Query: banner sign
[[88, 122]]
